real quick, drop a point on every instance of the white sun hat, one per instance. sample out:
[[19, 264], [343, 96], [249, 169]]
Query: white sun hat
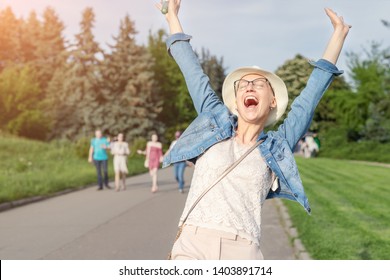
[[277, 84]]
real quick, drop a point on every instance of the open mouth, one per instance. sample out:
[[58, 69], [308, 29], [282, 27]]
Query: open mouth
[[250, 101]]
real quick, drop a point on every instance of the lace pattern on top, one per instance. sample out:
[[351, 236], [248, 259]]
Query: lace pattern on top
[[234, 204]]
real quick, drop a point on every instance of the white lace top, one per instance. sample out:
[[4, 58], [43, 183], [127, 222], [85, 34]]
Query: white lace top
[[234, 204]]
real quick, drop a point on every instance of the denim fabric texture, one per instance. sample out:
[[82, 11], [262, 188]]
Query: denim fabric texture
[[102, 172], [179, 168], [216, 123]]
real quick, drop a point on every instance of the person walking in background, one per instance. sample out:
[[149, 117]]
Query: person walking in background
[[180, 166], [153, 159], [317, 140], [120, 151], [98, 155], [298, 150], [226, 222], [310, 148]]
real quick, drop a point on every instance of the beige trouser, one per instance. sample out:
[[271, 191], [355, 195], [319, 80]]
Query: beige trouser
[[197, 243]]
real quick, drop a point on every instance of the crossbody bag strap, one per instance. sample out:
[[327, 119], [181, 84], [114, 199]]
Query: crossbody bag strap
[[230, 168]]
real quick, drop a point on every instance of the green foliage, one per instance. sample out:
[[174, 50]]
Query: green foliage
[[31, 124], [295, 73], [170, 86], [34, 168], [361, 112], [9, 37], [335, 144], [48, 43], [371, 75], [81, 147], [20, 103], [350, 210], [30, 37], [128, 85], [29, 59], [377, 127], [75, 96], [178, 110], [138, 143], [214, 69]]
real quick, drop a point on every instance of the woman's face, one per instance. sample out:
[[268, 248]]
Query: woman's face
[[255, 99], [154, 138], [120, 137]]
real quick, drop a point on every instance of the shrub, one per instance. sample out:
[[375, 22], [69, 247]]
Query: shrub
[[137, 144], [81, 147]]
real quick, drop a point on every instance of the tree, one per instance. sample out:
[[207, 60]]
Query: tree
[[129, 99], [386, 23], [214, 68], [371, 76], [74, 89], [9, 37], [295, 73], [49, 46], [169, 83], [29, 38], [21, 108], [178, 110]]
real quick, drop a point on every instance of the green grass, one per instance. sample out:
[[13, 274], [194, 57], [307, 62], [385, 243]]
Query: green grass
[[32, 168], [350, 204]]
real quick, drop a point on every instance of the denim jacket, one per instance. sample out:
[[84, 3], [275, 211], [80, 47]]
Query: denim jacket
[[216, 123]]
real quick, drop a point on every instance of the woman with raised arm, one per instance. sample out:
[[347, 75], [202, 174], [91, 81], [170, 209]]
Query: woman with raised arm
[[225, 223]]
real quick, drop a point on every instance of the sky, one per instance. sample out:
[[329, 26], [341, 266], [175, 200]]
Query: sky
[[265, 33]]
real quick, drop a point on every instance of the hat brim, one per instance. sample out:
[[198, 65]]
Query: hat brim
[[278, 86]]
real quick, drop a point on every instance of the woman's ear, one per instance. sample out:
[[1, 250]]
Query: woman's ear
[[273, 103]]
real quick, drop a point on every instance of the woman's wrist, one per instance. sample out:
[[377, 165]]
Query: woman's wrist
[[174, 25]]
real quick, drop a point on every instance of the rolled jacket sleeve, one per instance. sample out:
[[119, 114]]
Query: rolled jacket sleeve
[[302, 109], [176, 37], [198, 83], [327, 66]]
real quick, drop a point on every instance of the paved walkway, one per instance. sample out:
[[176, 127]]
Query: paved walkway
[[130, 225]]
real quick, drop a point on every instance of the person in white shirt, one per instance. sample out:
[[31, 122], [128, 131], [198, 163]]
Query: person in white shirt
[[120, 150]]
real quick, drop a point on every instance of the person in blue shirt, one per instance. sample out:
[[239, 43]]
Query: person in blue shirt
[[98, 155], [226, 223]]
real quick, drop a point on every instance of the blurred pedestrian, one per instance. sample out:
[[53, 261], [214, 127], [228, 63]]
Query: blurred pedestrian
[[98, 155], [180, 166], [310, 147], [120, 150], [317, 139], [153, 159]]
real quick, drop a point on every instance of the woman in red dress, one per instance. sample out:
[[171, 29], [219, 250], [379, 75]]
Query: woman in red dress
[[153, 159]]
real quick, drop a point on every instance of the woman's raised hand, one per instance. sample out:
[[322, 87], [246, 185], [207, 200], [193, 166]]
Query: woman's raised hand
[[336, 42], [337, 21], [173, 7], [172, 15]]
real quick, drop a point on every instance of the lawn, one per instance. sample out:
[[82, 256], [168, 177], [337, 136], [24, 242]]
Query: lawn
[[32, 168], [350, 204]]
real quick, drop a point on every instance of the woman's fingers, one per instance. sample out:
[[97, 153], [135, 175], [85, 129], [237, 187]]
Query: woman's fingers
[[335, 19]]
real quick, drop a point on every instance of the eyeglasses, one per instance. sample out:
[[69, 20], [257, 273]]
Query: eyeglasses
[[257, 84]]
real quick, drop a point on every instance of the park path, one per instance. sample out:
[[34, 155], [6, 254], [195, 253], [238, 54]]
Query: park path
[[129, 225]]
